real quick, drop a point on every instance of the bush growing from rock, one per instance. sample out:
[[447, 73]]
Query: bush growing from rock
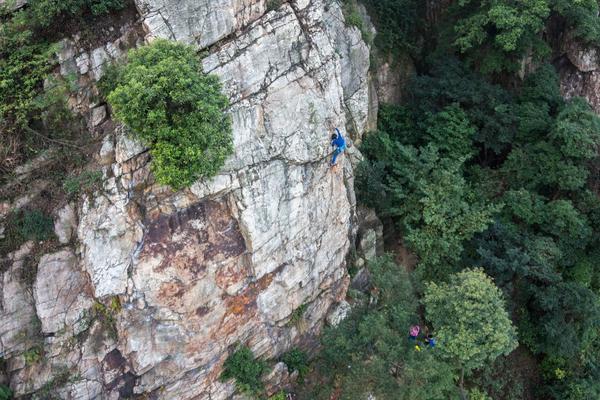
[[177, 110], [296, 360], [246, 370], [274, 4], [5, 392]]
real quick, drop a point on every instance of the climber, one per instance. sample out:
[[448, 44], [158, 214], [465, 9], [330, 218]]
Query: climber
[[430, 341], [339, 144]]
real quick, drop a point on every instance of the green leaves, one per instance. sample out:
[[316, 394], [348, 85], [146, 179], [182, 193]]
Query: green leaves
[[496, 34], [5, 392], [470, 319], [500, 26], [246, 371], [581, 17], [163, 96], [397, 22], [369, 352], [423, 188], [554, 153]]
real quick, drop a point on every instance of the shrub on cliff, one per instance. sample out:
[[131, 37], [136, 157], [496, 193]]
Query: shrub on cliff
[[33, 109], [246, 370], [165, 98]]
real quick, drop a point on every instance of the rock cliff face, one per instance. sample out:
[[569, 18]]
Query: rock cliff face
[[580, 72], [150, 290]]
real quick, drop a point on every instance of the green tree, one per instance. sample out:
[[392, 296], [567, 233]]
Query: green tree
[[452, 132], [246, 370], [435, 207], [397, 22], [165, 98], [554, 154], [369, 353], [470, 320], [495, 32], [489, 107], [581, 18]]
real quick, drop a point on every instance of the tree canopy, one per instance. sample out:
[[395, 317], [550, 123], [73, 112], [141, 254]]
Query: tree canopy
[[162, 94], [470, 320]]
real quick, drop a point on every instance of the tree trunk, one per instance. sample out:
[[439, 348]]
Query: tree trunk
[[461, 385]]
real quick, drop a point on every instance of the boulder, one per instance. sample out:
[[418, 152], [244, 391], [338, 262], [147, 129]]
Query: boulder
[[584, 58], [16, 304], [339, 313], [277, 378], [65, 224], [98, 115], [61, 292]]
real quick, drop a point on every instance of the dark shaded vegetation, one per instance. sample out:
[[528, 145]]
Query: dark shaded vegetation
[[480, 168], [33, 109], [24, 225], [245, 370]]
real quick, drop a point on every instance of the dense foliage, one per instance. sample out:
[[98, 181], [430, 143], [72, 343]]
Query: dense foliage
[[23, 225], [397, 22], [34, 114], [523, 208], [245, 370], [486, 165], [296, 360], [495, 34], [470, 320], [5, 392], [369, 352], [162, 94]]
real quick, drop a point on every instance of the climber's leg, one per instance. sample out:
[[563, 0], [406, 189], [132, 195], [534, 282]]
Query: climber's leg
[[336, 153]]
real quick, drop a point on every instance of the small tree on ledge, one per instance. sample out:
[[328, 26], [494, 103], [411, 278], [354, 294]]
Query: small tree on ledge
[[165, 98]]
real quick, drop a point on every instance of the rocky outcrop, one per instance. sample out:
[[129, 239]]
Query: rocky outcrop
[[109, 234], [17, 314], [60, 292], [152, 290], [580, 72], [393, 77], [357, 83], [202, 22]]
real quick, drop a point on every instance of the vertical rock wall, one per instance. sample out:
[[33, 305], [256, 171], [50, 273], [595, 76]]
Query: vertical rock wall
[[580, 72], [157, 287]]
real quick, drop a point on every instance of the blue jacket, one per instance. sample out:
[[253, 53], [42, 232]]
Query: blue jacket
[[339, 142]]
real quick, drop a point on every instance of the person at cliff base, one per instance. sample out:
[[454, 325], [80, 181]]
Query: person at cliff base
[[430, 341], [339, 144], [413, 332]]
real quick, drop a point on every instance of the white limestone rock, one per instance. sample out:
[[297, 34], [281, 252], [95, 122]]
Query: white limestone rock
[[202, 22], [65, 224], [585, 58], [16, 304], [355, 62], [98, 115], [339, 313], [107, 151], [127, 146], [109, 234], [99, 57], [231, 258], [60, 291]]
